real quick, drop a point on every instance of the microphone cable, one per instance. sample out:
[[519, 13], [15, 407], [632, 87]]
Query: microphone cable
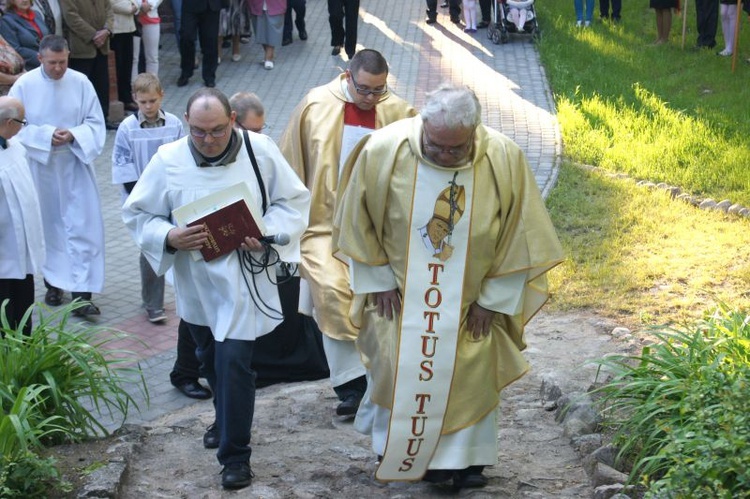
[[252, 266]]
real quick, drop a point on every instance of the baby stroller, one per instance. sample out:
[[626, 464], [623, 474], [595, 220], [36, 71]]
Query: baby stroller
[[512, 16]]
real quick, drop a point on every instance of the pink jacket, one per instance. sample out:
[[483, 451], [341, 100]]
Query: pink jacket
[[275, 7]]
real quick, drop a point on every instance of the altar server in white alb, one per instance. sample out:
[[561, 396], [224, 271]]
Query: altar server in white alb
[[226, 302], [21, 237], [449, 242], [64, 136]]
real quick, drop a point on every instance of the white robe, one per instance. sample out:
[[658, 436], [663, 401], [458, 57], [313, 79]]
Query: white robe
[[135, 146], [21, 237], [64, 175], [215, 293]]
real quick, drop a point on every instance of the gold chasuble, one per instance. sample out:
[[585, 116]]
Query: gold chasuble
[[316, 143], [477, 232]]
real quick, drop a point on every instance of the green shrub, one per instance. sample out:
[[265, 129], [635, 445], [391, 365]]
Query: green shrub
[[681, 410], [77, 368], [26, 475]]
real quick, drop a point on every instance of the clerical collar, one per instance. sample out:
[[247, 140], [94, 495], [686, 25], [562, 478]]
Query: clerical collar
[[226, 158], [3, 143]]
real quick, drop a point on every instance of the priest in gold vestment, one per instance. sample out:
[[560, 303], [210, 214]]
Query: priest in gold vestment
[[322, 131], [449, 242]]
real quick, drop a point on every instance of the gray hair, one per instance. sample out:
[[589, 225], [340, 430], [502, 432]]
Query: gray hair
[[53, 43], [10, 108], [453, 107], [245, 102]]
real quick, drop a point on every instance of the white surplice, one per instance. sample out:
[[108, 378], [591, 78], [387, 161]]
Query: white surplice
[[215, 293], [64, 175], [21, 238]]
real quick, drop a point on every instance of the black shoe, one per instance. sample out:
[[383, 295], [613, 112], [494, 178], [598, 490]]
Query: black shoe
[[350, 54], [303, 34], [211, 437], [349, 406], [210, 84], [444, 5], [53, 297], [469, 478], [226, 43], [286, 41], [195, 390], [437, 476], [86, 310], [236, 476], [182, 81], [336, 50], [482, 24], [111, 125], [455, 20], [431, 18]]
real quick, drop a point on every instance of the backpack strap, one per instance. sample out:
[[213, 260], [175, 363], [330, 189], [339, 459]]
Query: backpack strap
[[256, 169]]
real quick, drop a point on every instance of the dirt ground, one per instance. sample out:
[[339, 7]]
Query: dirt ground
[[302, 450]]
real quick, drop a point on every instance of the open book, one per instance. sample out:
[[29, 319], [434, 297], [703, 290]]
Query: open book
[[228, 216]]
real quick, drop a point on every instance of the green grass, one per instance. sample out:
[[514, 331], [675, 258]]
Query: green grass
[[656, 113]]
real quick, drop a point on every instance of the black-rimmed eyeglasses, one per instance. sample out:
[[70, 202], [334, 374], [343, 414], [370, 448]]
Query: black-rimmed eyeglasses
[[22, 122], [367, 91], [457, 152]]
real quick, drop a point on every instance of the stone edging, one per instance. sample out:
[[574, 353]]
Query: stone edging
[[707, 204]]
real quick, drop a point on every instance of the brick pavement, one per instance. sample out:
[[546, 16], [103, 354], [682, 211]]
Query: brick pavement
[[508, 79]]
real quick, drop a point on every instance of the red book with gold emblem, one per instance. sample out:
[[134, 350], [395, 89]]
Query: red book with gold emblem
[[227, 228]]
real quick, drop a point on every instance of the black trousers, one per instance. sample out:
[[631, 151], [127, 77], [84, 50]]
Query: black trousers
[[97, 70], [342, 17], [186, 366], [707, 20], [206, 25], [122, 44], [604, 8], [20, 293], [486, 7], [300, 8]]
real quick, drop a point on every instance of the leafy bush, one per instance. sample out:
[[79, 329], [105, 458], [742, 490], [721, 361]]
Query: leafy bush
[[681, 409], [54, 385], [26, 475], [78, 367]]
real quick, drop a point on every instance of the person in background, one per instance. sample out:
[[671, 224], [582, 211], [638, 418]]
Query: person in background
[[299, 7], [21, 236], [448, 242], [123, 31], [251, 115], [220, 307], [200, 18], [150, 34], [728, 12], [663, 10], [268, 26], [88, 29], [604, 9], [234, 23], [49, 10], [343, 16], [583, 18], [64, 137], [470, 15], [137, 140], [23, 29], [322, 131], [11, 66], [706, 22]]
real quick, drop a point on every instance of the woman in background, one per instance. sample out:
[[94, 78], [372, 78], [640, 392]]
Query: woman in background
[[148, 38], [268, 25], [663, 9], [23, 30]]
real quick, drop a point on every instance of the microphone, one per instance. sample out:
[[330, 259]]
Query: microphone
[[280, 239]]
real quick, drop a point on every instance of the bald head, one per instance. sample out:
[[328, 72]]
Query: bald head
[[12, 116]]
